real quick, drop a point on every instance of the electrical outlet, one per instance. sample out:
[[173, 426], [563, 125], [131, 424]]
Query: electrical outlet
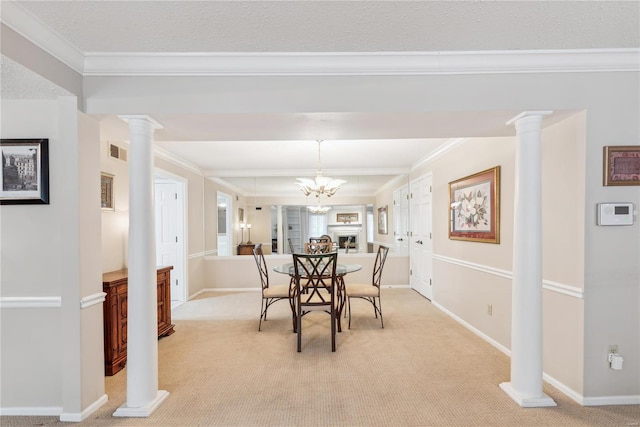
[[613, 348], [490, 309]]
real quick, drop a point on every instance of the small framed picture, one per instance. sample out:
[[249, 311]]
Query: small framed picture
[[106, 191], [347, 218], [25, 172], [382, 220], [621, 165]]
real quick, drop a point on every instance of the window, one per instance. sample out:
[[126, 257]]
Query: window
[[317, 224]]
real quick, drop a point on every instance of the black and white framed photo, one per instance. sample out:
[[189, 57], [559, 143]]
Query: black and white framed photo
[[25, 172]]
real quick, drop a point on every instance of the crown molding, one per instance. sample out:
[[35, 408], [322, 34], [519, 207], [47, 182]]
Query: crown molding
[[359, 63], [172, 158], [313, 63], [38, 33], [302, 172]]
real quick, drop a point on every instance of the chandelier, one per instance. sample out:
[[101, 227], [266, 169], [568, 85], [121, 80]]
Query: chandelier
[[322, 185]]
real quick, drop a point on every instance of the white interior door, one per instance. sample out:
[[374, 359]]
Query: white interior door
[[421, 235], [169, 212]]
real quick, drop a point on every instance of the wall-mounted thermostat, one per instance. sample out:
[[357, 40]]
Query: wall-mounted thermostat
[[615, 213]]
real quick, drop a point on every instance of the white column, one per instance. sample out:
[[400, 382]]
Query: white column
[[280, 233], [526, 307], [143, 396]]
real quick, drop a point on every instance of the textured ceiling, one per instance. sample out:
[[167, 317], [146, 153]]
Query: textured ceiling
[[339, 26]]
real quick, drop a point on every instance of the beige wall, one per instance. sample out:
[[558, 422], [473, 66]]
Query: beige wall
[[45, 254], [468, 276]]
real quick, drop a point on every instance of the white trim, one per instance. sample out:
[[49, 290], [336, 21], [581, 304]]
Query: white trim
[[196, 255], [479, 333], [443, 149], [94, 299], [358, 63], [549, 285], [37, 32], [612, 400], [142, 411], [560, 288], [484, 268], [527, 401], [86, 413], [577, 397], [28, 411], [172, 158], [30, 302]]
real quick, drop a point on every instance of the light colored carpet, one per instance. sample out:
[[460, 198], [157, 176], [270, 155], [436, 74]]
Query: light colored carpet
[[422, 369]]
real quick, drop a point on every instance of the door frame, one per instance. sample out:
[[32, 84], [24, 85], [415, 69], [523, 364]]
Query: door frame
[[181, 230]]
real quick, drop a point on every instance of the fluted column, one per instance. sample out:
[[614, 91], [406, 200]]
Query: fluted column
[[143, 396], [526, 290]]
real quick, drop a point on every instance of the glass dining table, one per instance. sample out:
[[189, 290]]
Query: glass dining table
[[341, 271]]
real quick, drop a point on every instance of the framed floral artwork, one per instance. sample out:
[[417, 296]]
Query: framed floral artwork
[[475, 207], [621, 165]]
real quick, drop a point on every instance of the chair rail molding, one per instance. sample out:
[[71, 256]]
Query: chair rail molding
[[549, 285], [31, 302]]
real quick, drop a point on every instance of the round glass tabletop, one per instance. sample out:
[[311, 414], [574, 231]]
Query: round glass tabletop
[[341, 269]]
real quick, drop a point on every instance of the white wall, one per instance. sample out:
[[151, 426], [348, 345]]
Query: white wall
[[51, 362]]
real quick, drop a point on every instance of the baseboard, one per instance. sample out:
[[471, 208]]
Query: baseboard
[[77, 417], [32, 411], [569, 392], [479, 333], [611, 400], [202, 291]]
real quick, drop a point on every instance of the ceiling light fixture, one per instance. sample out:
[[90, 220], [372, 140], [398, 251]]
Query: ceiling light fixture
[[322, 185]]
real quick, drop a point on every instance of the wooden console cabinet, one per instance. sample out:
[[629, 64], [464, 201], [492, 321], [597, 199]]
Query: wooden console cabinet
[[114, 284], [245, 249]]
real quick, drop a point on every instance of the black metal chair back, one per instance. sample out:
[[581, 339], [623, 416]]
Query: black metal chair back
[[315, 287]]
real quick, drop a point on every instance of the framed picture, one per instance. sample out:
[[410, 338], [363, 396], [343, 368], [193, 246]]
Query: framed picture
[[622, 165], [106, 191], [25, 172], [347, 217], [475, 207], [382, 220]]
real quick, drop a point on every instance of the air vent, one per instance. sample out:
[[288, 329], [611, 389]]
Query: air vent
[[117, 152]]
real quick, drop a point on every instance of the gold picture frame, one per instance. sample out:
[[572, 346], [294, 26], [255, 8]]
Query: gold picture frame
[[475, 207], [347, 218]]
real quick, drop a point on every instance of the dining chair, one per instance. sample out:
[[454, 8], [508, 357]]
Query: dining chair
[[271, 294], [315, 287], [369, 291]]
